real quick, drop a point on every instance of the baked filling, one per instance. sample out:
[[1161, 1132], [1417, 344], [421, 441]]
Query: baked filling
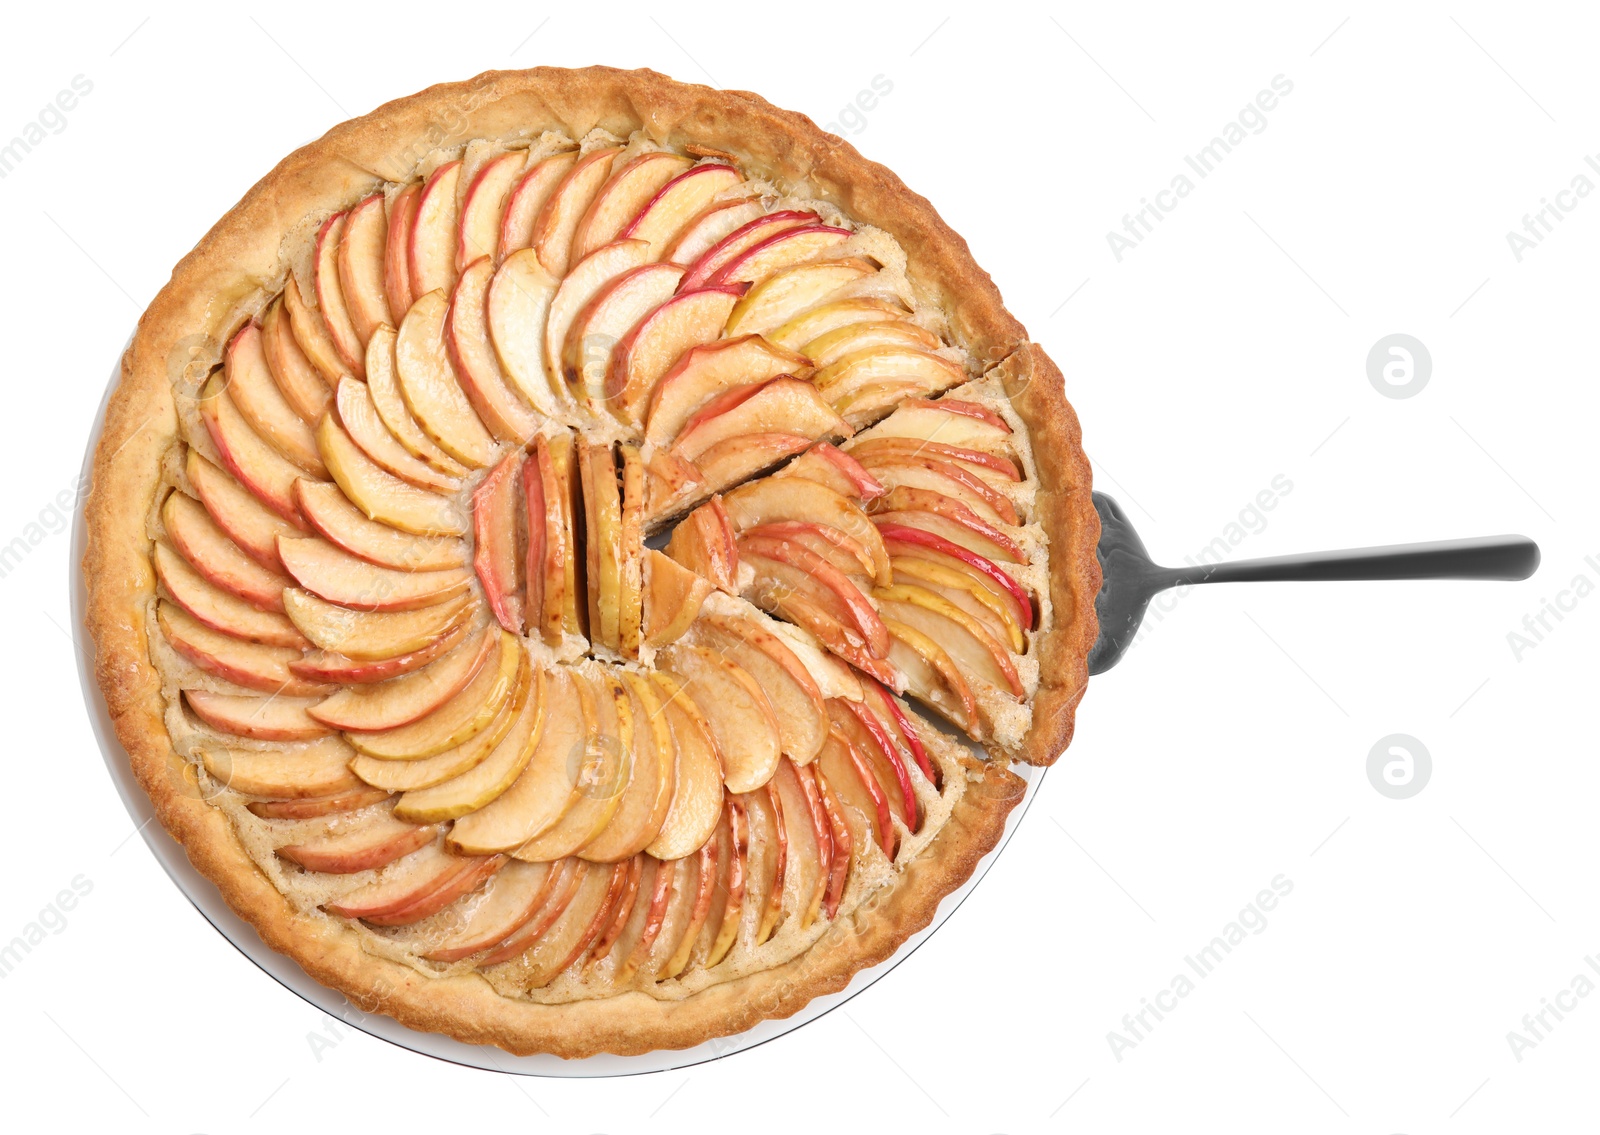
[[591, 568]]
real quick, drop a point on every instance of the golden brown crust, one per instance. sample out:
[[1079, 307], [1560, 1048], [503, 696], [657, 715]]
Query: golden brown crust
[[246, 255]]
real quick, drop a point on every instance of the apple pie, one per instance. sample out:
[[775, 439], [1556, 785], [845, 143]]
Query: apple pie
[[574, 558]]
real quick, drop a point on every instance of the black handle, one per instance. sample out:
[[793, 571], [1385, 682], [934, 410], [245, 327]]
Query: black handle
[[1480, 557]]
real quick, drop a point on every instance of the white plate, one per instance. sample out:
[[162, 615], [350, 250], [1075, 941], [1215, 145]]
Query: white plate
[[208, 902]]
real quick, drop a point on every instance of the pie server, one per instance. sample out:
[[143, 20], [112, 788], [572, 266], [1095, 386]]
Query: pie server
[[1131, 579]]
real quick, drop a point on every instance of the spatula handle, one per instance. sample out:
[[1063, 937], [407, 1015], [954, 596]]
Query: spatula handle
[[1480, 557]]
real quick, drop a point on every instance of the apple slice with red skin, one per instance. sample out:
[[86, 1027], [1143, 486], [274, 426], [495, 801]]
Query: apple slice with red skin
[[740, 241], [512, 900], [679, 202], [220, 610], [620, 200], [969, 425], [370, 634], [724, 927], [341, 523], [311, 333], [704, 372], [781, 405], [591, 920], [847, 771], [383, 384], [476, 366], [769, 831], [330, 293], [792, 691], [430, 387], [736, 710], [810, 840], [704, 543], [710, 227], [778, 298], [239, 513], [262, 719], [262, 405], [471, 875], [707, 866], [557, 222], [565, 586], [647, 352], [602, 538], [647, 797], [793, 593], [543, 579], [619, 914], [868, 403], [966, 640], [361, 420], [868, 734], [397, 252], [776, 498], [365, 849], [589, 278], [382, 496], [834, 345], [860, 369], [313, 807], [843, 841], [691, 818], [987, 465], [434, 230], [484, 205], [321, 666], [328, 571], [571, 877], [673, 596], [307, 772], [804, 778], [655, 920], [222, 562], [829, 465], [901, 539], [924, 471], [759, 551], [932, 677], [842, 551], [972, 594], [975, 534], [247, 664], [411, 878], [361, 266], [605, 322], [900, 728], [402, 700], [301, 384], [254, 464], [630, 593], [820, 321], [739, 458], [495, 511], [527, 198], [782, 250]]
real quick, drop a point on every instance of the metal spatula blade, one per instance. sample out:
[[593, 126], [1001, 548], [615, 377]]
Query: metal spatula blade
[[1131, 579]]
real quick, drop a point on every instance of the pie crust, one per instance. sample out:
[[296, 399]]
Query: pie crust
[[249, 250]]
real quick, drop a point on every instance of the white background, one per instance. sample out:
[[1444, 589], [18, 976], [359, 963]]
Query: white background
[[1228, 748]]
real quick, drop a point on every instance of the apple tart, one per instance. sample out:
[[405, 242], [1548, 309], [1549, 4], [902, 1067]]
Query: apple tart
[[574, 556]]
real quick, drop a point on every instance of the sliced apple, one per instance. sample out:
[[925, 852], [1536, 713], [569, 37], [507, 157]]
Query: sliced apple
[[588, 279], [669, 483], [321, 666], [630, 568], [592, 340], [708, 371], [932, 677], [370, 634], [743, 725], [477, 367], [780, 405], [691, 820], [708, 228], [218, 609], [527, 198], [704, 543], [360, 267], [602, 528], [647, 352], [513, 899], [706, 866], [869, 735], [365, 849], [351, 800], [843, 840], [425, 772], [400, 701], [239, 513], [677, 203], [300, 383], [359, 416], [557, 222], [305, 772], [407, 881], [544, 541], [328, 571], [781, 251], [738, 458], [947, 517], [498, 681], [330, 294], [740, 241], [249, 664], [847, 776], [382, 496], [924, 471], [790, 690], [878, 365], [993, 468], [780, 297], [489, 780], [565, 583], [598, 763], [951, 421], [897, 725], [843, 596], [904, 540], [571, 879], [384, 385], [546, 788], [673, 595], [997, 615], [639, 939], [311, 333], [259, 401], [722, 926], [397, 252], [430, 388], [826, 464], [338, 521], [820, 321], [609, 924], [495, 514], [467, 878], [623, 197], [810, 839], [484, 205], [769, 857], [834, 345], [209, 551], [256, 465], [642, 809], [517, 309], [973, 648], [434, 234], [775, 499], [262, 719]]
